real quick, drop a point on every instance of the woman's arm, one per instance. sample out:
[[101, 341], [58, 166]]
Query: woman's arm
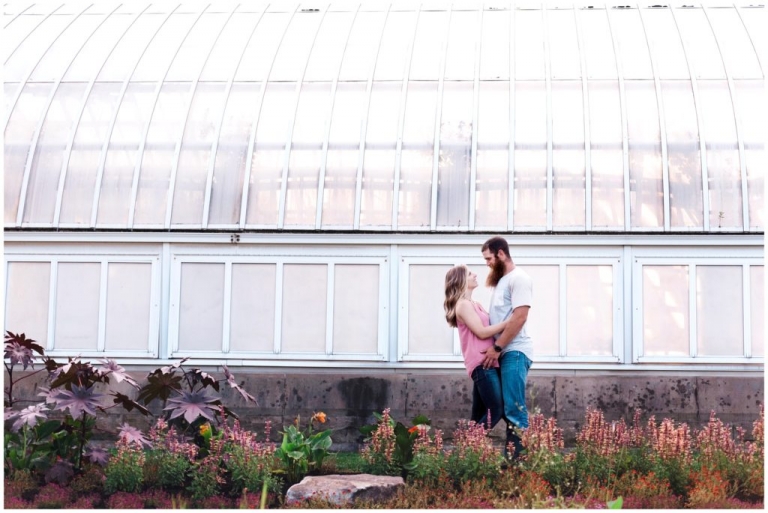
[[467, 314]]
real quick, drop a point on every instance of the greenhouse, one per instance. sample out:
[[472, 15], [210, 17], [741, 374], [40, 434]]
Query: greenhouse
[[284, 185]]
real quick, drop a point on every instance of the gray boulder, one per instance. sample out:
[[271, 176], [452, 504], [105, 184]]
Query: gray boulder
[[344, 489]]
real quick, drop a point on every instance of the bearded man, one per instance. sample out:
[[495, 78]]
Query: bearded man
[[511, 298]]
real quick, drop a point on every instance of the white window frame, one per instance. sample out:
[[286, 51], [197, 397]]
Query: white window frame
[[279, 256], [104, 258]]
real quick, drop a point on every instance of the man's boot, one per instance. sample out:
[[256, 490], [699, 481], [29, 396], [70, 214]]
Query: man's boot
[[515, 441]]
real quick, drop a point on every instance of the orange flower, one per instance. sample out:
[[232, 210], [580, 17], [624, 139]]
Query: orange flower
[[320, 417], [413, 429]]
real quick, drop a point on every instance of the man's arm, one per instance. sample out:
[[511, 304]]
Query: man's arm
[[513, 327]]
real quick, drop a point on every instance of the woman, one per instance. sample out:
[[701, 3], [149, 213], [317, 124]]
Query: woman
[[476, 336]]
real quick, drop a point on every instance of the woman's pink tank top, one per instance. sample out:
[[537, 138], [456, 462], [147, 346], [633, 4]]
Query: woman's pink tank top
[[471, 345]]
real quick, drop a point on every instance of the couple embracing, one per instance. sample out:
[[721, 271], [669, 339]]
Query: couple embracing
[[496, 347]]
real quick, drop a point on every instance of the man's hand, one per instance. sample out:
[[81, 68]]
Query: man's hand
[[491, 357]]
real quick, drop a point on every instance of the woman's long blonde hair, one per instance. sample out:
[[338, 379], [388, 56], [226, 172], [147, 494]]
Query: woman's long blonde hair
[[455, 285]]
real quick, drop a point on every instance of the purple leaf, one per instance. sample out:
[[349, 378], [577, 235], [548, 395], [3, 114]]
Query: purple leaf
[[79, 400], [96, 454], [132, 434], [128, 403], [48, 394], [111, 367], [170, 368], [29, 416], [19, 354], [192, 405], [233, 384], [23, 341]]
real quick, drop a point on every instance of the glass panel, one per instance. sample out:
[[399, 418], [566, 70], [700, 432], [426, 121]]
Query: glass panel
[[645, 172], [190, 59], [665, 311], [18, 136], [360, 54], [201, 307], [252, 321], [294, 51], [328, 48], [164, 129], [685, 191], [429, 45], [530, 201], [306, 151], [27, 299], [417, 155], [723, 168], [77, 306], [156, 59], [494, 51], [568, 164], [751, 109], [598, 43], [343, 152], [606, 156], [392, 55], [93, 55], [267, 162], [15, 32], [305, 293], [356, 309], [232, 153], [129, 287], [719, 296], [133, 116], [700, 43], [49, 153], [665, 43], [83, 165], [192, 173], [428, 333], [53, 65], [633, 47], [462, 46], [544, 323], [755, 21], [734, 42], [492, 174], [128, 50], [589, 310], [757, 302], [529, 45], [257, 58], [455, 155], [32, 49], [220, 65], [563, 44]]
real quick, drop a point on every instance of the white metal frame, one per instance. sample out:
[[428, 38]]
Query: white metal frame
[[511, 153], [548, 87], [475, 115], [587, 142]]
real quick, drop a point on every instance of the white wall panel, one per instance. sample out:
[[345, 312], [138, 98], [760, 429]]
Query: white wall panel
[[129, 296], [665, 310], [77, 306], [27, 299], [304, 308], [356, 309], [253, 308], [589, 304], [719, 298], [544, 316], [428, 331], [201, 307], [757, 305]]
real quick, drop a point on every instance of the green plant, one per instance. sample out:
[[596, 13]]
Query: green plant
[[389, 444], [125, 470], [302, 451], [249, 462], [473, 456]]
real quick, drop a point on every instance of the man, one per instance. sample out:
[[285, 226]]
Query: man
[[511, 298]]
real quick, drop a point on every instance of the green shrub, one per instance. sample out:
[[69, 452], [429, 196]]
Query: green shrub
[[125, 470]]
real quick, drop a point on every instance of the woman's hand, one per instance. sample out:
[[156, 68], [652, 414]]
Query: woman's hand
[[491, 357]]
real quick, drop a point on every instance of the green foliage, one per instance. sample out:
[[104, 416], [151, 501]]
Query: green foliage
[[616, 504], [251, 469], [390, 444], [125, 470], [168, 470], [302, 451], [205, 482]]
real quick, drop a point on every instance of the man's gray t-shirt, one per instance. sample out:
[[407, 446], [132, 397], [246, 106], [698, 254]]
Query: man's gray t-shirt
[[514, 289]]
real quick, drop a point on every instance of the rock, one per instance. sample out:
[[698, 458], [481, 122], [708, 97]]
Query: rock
[[344, 489]]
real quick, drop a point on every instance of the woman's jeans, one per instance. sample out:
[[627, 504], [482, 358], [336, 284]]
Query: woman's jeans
[[513, 366], [486, 396]]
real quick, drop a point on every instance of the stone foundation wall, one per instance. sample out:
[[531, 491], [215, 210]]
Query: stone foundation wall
[[350, 397]]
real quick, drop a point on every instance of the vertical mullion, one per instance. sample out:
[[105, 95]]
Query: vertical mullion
[[76, 123], [402, 286], [548, 84], [52, 303], [627, 273], [662, 129], [324, 158], [739, 134], [103, 290], [692, 322], [624, 123], [511, 152], [330, 289], [700, 126], [563, 311], [227, 306], [438, 119], [182, 128], [399, 147], [364, 127], [257, 115], [155, 307], [475, 115], [278, 342], [747, 309], [108, 135], [143, 143], [638, 342], [585, 102], [292, 125], [215, 143], [174, 309], [393, 290], [618, 297], [43, 116]]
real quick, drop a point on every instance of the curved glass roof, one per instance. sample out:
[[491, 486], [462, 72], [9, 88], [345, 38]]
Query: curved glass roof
[[395, 116]]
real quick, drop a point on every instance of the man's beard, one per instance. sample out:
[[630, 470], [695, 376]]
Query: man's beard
[[497, 273]]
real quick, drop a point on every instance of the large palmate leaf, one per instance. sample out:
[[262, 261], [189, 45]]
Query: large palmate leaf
[[170, 368], [198, 376], [132, 434], [96, 454], [160, 385], [29, 416], [111, 367], [77, 373], [78, 400], [128, 403], [237, 388], [192, 405], [23, 341], [19, 354]]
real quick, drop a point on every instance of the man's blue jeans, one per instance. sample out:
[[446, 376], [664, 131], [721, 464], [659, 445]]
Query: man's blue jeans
[[514, 367], [486, 396]]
